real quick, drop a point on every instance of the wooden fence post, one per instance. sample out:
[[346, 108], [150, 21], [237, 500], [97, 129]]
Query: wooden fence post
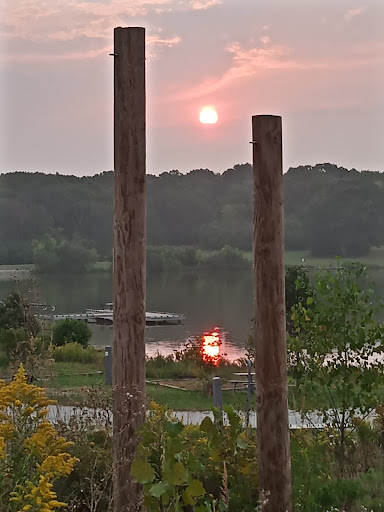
[[274, 466], [128, 261]]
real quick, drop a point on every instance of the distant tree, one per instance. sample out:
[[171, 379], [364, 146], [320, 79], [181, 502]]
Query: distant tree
[[71, 330], [328, 210], [51, 255], [226, 259]]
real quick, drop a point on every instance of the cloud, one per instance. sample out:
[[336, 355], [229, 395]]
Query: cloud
[[258, 61], [65, 20], [203, 4], [69, 29], [156, 40], [153, 42], [246, 63], [265, 39], [352, 13]]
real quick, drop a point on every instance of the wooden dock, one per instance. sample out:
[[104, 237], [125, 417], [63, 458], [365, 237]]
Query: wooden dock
[[105, 317]]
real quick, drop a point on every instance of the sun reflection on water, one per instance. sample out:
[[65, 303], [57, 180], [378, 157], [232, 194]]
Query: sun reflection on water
[[210, 347]]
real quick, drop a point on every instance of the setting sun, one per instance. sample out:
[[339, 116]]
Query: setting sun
[[208, 115]]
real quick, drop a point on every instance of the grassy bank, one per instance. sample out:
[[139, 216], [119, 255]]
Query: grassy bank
[[176, 258], [375, 258]]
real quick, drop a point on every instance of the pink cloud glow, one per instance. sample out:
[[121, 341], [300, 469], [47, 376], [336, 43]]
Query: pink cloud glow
[[247, 63], [203, 4]]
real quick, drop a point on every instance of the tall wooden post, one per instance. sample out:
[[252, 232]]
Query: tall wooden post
[[270, 331], [129, 261]]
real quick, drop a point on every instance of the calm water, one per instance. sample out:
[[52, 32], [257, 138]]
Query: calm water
[[222, 300]]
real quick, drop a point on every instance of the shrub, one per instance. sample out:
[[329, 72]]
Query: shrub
[[226, 259], [71, 330], [89, 487], [75, 353], [207, 467], [32, 454]]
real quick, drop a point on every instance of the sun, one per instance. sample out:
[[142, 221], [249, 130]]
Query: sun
[[208, 115]]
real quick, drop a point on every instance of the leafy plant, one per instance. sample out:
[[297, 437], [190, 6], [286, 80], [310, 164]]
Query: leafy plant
[[335, 347], [211, 467], [89, 428], [73, 352], [71, 330]]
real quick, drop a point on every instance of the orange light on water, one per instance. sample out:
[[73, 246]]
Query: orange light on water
[[210, 349]]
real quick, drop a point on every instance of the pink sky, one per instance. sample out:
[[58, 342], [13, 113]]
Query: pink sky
[[318, 63]]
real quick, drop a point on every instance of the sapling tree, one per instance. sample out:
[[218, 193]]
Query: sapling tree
[[336, 350]]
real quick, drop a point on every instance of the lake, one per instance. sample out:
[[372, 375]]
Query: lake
[[217, 299]]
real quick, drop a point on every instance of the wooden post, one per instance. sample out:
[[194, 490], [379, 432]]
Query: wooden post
[[270, 331], [128, 261]]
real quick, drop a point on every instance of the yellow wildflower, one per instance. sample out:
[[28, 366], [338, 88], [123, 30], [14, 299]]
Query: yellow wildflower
[[23, 412]]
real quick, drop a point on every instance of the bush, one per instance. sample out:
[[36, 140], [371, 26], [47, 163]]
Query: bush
[[89, 487], [206, 467], [75, 353], [71, 330], [226, 259]]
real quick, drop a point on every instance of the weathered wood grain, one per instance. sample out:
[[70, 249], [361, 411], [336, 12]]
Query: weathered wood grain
[[270, 332], [128, 260]]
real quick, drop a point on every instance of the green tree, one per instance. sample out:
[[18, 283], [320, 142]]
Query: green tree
[[297, 290], [51, 255], [15, 313], [20, 337], [71, 330], [336, 350]]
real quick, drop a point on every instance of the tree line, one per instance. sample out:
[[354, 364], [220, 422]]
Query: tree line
[[329, 210]]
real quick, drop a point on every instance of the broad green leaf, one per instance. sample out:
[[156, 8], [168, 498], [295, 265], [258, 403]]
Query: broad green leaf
[[174, 429], [196, 488], [206, 425], [159, 489], [187, 498], [142, 470], [310, 301], [176, 474], [241, 443]]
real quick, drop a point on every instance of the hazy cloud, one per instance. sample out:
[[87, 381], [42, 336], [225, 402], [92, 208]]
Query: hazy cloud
[[352, 13], [204, 4]]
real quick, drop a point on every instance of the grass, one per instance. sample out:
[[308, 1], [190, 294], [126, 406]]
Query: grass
[[375, 258], [23, 266], [192, 400], [164, 368], [101, 266]]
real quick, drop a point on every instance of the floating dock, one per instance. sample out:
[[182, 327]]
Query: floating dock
[[105, 317]]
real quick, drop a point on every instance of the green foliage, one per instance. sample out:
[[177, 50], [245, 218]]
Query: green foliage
[[328, 210], [209, 468], [53, 256], [226, 259], [20, 339], [89, 487], [71, 330], [15, 313], [334, 346], [73, 352], [166, 258], [297, 290]]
